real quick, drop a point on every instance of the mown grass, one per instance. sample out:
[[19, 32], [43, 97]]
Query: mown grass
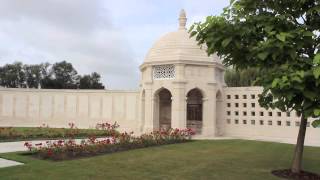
[[210, 159], [33, 133]]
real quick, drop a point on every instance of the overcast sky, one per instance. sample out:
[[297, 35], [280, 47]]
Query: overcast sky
[[109, 37]]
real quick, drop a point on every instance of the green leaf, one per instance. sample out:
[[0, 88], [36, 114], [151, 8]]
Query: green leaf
[[298, 86], [284, 78], [316, 112], [275, 82], [292, 54], [226, 42], [316, 72], [238, 45], [296, 78], [191, 28], [263, 55], [193, 33], [308, 33], [281, 37], [316, 59], [269, 28], [316, 123], [310, 94], [301, 73]]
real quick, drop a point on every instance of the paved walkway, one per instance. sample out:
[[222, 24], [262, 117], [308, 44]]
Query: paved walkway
[[8, 163], [6, 147]]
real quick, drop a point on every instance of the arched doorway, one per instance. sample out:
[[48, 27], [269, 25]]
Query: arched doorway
[[194, 110], [219, 114], [163, 108]]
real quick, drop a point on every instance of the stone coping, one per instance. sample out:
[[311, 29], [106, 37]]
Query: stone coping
[[66, 90]]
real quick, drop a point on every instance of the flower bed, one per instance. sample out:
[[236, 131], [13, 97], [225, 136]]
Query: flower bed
[[69, 149], [46, 132]]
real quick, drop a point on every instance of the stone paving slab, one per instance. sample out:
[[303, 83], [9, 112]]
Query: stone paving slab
[[8, 163], [7, 147]]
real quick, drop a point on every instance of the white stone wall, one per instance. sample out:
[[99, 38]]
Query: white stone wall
[[238, 113], [243, 117], [56, 108]]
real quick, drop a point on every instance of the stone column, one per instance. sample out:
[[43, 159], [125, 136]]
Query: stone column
[[141, 113], [148, 123], [146, 83], [209, 114], [178, 117]]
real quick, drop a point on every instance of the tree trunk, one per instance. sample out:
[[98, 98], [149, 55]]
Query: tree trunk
[[297, 158]]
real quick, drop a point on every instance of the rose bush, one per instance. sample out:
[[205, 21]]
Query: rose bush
[[69, 149]]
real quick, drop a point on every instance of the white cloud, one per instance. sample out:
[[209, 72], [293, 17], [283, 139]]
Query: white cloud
[[110, 37], [76, 31]]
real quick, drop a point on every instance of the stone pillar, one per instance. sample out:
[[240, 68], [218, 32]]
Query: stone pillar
[[148, 123], [179, 107], [141, 114], [209, 114], [178, 118], [156, 112]]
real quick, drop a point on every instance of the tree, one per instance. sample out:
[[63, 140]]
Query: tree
[[91, 81], [33, 74], [280, 38], [47, 79], [239, 78], [61, 75], [12, 75], [64, 76]]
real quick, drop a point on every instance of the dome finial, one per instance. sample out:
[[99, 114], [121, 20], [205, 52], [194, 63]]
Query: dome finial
[[182, 19]]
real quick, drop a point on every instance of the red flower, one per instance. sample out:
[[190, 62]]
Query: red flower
[[49, 153]]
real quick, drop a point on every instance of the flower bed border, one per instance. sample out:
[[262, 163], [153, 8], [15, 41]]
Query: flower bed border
[[69, 149], [117, 148]]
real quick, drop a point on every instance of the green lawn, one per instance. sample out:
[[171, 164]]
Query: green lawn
[[33, 133], [220, 159]]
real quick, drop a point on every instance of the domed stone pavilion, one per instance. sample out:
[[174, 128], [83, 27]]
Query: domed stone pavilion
[[181, 85]]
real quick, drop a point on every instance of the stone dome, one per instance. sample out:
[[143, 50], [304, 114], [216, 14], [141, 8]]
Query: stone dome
[[178, 46]]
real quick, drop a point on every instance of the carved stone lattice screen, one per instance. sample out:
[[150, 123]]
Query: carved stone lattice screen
[[163, 72]]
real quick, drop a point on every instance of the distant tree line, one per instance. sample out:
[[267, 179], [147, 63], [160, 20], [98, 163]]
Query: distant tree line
[[241, 78], [60, 75]]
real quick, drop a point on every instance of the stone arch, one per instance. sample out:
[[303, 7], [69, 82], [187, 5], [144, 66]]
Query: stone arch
[[195, 109], [219, 113], [162, 109], [219, 95], [197, 88]]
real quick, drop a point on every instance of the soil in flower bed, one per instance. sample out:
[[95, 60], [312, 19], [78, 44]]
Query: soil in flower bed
[[112, 149], [288, 174]]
